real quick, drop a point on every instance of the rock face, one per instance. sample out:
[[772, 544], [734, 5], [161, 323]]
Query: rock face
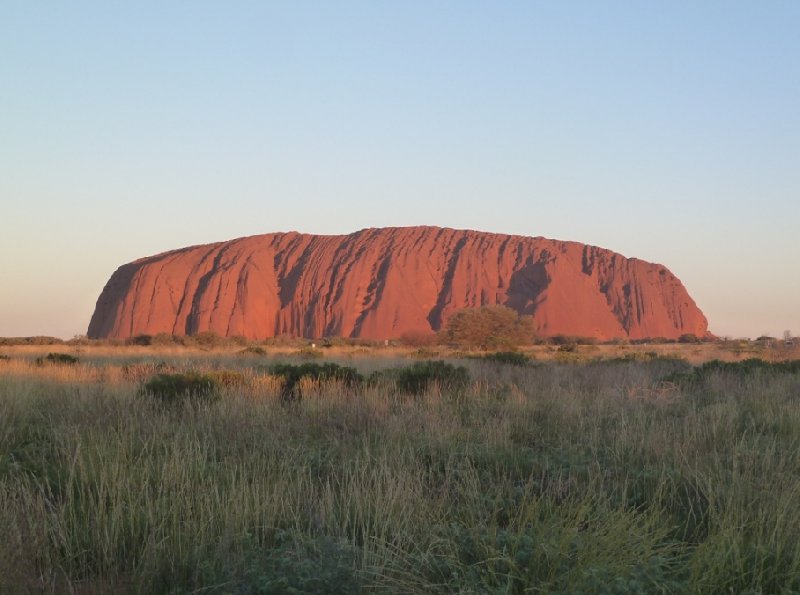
[[382, 283]]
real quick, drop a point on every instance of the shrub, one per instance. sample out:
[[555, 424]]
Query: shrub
[[488, 327], [426, 353], [4, 358], [141, 371], [418, 339], [568, 347], [172, 389], [748, 366], [508, 358], [228, 378], [420, 377], [238, 340], [31, 341], [571, 340], [78, 340], [293, 373], [744, 368], [57, 359], [163, 339], [294, 563], [283, 341], [309, 352], [328, 342], [207, 339], [139, 340], [253, 350]]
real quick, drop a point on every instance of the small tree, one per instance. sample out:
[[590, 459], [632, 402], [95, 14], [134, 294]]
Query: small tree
[[488, 327]]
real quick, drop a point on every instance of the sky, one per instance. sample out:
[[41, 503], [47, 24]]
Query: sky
[[664, 131]]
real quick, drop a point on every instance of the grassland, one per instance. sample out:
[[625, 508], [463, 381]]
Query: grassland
[[595, 471]]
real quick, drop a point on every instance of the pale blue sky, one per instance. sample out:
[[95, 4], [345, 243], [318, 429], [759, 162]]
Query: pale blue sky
[[667, 131]]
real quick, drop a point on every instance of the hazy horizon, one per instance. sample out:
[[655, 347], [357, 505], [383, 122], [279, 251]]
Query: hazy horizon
[[665, 133]]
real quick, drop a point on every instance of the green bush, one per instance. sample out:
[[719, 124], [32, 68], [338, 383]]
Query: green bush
[[57, 359], [172, 389], [294, 563], [328, 342], [745, 368], [420, 377], [571, 340], [253, 350], [292, 374], [508, 358], [748, 366]]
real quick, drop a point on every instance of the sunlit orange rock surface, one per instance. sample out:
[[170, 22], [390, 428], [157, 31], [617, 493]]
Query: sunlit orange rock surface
[[382, 283]]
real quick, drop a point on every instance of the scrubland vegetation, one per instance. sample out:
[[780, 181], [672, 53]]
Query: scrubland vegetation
[[145, 469]]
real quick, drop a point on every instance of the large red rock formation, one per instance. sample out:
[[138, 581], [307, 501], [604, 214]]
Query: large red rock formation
[[381, 283]]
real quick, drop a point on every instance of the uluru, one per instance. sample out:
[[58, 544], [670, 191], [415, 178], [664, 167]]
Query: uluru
[[385, 282]]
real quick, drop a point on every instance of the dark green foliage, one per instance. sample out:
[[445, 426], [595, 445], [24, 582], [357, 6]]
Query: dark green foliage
[[652, 340], [57, 359], [489, 327], [510, 561], [509, 358], [139, 340], [745, 368], [749, 366], [172, 389], [637, 356], [422, 376], [253, 350], [571, 340], [292, 374], [293, 563]]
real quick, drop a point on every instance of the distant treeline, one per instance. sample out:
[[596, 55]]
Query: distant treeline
[[31, 341], [211, 339]]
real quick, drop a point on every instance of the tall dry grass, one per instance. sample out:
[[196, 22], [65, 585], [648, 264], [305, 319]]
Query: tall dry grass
[[617, 477]]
